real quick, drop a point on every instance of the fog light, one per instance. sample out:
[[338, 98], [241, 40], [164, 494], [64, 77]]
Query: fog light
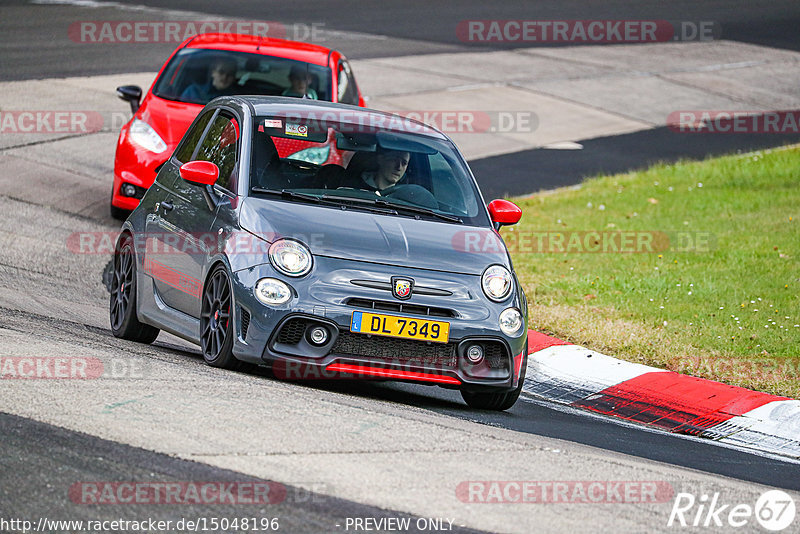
[[511, 321], [128, 190], [475, 354], [318, 335], [272, 292]]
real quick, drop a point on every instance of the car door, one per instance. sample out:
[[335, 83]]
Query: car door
[[160, 245], [182, 222]]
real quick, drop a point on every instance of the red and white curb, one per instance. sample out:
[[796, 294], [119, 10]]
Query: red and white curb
[[581, 378]]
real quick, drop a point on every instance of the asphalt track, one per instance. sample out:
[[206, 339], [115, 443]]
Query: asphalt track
[[538, 169], [43, 459], [772, 24], [34, 45], [40, 460]]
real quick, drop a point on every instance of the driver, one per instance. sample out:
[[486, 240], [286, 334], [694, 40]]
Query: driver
[[384, 177], [223, 74], [391, 167]]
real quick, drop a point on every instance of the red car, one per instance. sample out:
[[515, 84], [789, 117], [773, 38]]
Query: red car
[[210, 65]]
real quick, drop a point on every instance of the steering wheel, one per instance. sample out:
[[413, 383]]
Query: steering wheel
[[413, 194]]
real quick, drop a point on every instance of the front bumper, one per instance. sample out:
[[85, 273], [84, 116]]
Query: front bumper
[[278, 335]]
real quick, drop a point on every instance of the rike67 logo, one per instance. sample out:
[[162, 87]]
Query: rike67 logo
[[774, 510]]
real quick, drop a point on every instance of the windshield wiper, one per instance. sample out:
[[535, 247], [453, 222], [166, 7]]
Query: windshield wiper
[[325, 199], [418, 210], [425, 211], [285, 193], [399, 207]]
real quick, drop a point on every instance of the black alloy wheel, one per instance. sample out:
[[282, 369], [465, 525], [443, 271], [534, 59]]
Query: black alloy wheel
[[125, 323], [216, 325]]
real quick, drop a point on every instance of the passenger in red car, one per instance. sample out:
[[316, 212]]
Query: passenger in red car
[[300, 80]]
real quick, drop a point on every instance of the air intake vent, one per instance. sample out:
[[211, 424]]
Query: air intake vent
[[245, 322], [292, 331], [496, 354], [400, 307]]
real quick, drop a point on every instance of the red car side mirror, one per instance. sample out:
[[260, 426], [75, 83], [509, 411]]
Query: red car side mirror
[[200, 172], [504, 212]]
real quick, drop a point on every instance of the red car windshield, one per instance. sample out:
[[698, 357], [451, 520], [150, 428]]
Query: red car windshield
[[197, 75]]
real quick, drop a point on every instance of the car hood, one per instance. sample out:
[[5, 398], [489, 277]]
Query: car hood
[[169, 119], [363, 236]]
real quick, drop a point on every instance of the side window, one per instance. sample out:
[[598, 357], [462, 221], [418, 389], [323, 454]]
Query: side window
[[191, 138], [348, 92], [220, 147]]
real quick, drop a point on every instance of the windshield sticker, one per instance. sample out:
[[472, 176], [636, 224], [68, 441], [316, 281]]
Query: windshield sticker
[[299, 130], [273, 123]]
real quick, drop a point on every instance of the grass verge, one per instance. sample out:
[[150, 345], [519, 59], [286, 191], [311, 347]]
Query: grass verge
[[693, 267]]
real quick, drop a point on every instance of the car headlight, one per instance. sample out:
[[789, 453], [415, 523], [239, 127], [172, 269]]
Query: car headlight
[[146, 137], [272, 292], [315, 155], [496, 282], [290, 257], [510, 321]]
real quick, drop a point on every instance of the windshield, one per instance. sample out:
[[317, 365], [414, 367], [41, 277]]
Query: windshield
[[197, 75], [395, 173]]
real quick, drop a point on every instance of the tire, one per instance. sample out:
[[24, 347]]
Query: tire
[[216, 325], [125, 323], [497, 401], [108, 275]]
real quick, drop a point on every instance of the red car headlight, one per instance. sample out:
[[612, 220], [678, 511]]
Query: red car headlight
[[146, 137]]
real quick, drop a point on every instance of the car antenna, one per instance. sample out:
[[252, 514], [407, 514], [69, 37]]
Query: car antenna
[[258, 46]]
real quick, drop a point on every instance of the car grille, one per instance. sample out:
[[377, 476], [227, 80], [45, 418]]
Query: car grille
[[392, 350], [418, 290], [401, 307]]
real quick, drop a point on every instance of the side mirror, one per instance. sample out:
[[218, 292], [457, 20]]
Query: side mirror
[[200, 172], [504, 212], [131, 94]]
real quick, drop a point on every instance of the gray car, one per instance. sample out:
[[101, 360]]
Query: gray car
[[386, 264]]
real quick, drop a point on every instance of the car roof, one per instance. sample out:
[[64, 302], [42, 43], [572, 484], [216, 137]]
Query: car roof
[[268, 46], [329, 111]]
